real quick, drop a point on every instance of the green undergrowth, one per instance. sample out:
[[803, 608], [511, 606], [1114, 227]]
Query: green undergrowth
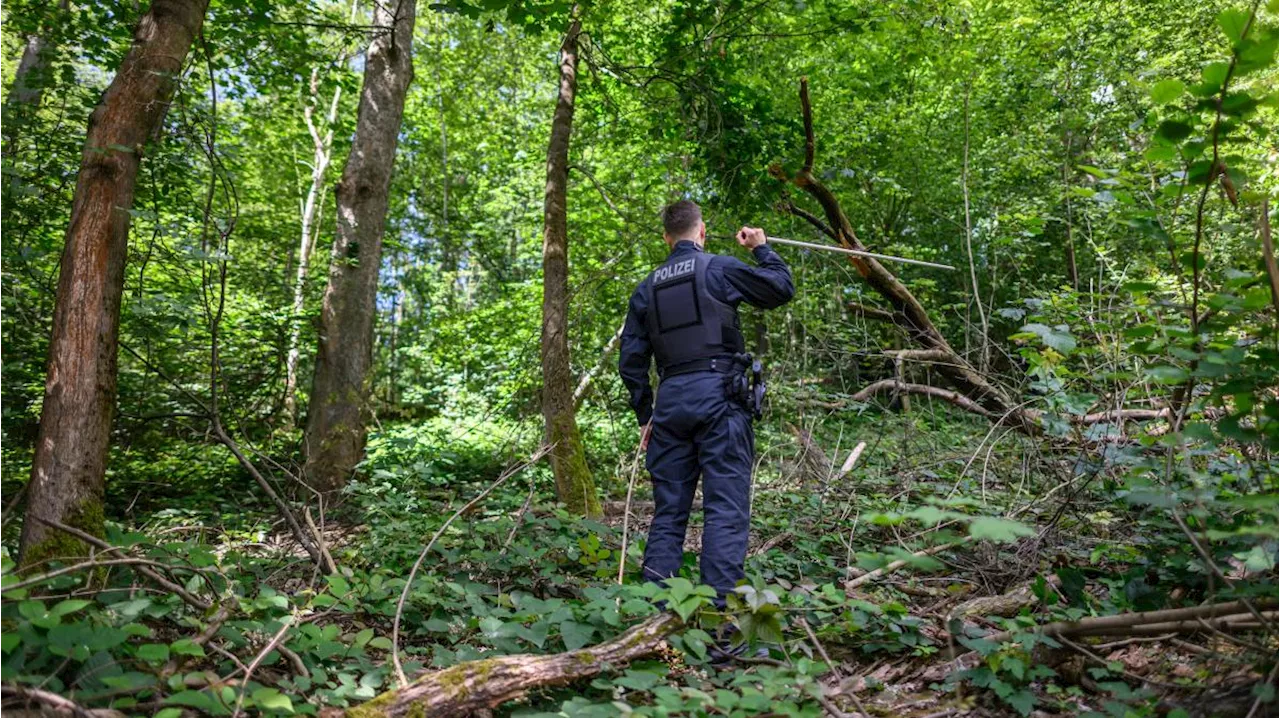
[[500, 581]]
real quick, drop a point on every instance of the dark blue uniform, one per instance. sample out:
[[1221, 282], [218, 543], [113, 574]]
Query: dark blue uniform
[[697, 427]]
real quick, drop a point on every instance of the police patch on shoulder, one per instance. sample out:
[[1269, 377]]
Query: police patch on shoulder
[[671, 271]]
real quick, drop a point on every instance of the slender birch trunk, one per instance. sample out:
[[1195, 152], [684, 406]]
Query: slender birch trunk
[[321, 154]]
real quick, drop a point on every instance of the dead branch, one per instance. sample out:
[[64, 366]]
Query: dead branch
[[895, 565], [870, 312], [909, 314], [487, 683], [56, 704], [893, 385], [188, 597], [788, 207], [1180, 620]]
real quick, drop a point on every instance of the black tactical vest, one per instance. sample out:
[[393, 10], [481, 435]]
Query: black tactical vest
[[685, 322]]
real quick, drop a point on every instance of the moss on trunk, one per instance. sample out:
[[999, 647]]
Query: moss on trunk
[[54, 544], [574, 484]]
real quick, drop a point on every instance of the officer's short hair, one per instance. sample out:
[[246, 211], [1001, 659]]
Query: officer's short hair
[[680, 219]]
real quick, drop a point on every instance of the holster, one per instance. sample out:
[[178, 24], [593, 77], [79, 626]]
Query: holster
[[748, 392]]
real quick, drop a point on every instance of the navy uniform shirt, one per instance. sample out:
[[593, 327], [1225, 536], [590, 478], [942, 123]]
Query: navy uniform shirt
[[729, 280]]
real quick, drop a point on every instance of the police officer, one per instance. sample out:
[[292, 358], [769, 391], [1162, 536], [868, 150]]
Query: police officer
[[684, 315]]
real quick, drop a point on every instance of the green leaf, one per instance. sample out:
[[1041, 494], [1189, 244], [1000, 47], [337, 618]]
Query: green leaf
[[70, 605], [153, 652], [272, 699], [338, 585], [1214, 74], [186, 647], [1165, 374], [194, 699], [1023, 701], [1166, 91], [1173, 131], [9, 641], [997, 529], [1233, 22], [169, 713], [575, 635], [380, 642]]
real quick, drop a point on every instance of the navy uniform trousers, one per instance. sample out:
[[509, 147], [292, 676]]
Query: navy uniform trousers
[[698, 431]]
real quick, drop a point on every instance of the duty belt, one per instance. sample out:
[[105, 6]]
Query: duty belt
[[725, 364], [734, 368]]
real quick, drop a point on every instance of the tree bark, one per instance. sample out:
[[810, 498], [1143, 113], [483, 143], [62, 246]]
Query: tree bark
[[69, 466], [574, 484], [335, 434]]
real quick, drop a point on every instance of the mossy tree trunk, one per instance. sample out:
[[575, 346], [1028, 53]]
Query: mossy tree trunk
[[574, 485], [337, 415], [69, 467]]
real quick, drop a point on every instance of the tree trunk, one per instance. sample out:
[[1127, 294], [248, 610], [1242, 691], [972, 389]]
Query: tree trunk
[[574, 484], [68, 469], [29, 79], [335, 434]]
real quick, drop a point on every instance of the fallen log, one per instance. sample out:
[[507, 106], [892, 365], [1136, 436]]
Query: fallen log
[[1169, 620], [1005, 605], [488, 683]]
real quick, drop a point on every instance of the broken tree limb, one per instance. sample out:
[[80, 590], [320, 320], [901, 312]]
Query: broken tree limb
[[584, 383], [1168, 620], [788, 207], [913, 319], [893, 385], [488, 683], [869, 312]]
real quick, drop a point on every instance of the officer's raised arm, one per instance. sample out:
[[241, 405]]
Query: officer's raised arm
[[767, 285], [634, 355]]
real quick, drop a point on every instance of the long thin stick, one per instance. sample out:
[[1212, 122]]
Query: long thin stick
[[855, 252], [859, 253], [626, 510]]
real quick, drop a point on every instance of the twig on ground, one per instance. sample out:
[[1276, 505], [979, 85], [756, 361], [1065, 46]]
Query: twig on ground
[[299, 668], [1105, 663], [323, 547], [253, 665], [895, 565], [188, 597], [52, 700], [467, 687], [524, 509], [404, 595]]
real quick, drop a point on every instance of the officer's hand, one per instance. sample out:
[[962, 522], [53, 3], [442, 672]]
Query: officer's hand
[[644, 436], [751, 237]]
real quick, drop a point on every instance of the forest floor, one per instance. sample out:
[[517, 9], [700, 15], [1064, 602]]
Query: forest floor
[[988, 537]]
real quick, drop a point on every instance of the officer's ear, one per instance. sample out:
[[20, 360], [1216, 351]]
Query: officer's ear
[[702, 230]]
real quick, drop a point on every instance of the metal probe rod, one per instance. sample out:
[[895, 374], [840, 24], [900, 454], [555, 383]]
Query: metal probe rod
[[859, 253]]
